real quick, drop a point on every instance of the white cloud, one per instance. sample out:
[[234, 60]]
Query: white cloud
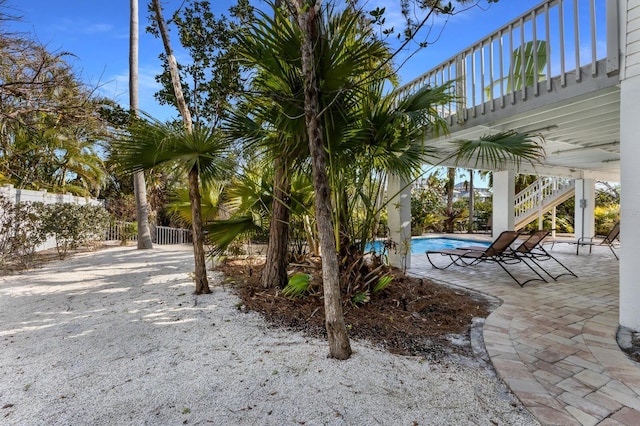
[[82, 27]]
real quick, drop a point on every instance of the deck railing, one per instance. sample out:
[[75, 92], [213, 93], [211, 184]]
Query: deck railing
[[540, 193], [552, 43], [159, 234]]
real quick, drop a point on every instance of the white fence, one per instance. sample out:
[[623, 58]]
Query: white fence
[[16, 196], [159, 234], [26, 195]]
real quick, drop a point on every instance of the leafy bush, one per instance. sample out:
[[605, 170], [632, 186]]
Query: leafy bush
[[73, 226], [26, 226], [606, 217], [21, 229]]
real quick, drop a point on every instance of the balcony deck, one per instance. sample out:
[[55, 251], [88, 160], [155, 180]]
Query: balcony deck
[[567, 90]]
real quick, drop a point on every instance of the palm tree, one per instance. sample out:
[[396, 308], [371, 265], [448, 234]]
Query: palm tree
[[202, 283], [139, 185], [365, 132], [199, 154]]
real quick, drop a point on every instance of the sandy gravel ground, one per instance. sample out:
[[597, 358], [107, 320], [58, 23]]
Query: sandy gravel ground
[[116, 337]]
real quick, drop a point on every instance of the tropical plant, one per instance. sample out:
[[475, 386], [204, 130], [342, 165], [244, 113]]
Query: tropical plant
[[355, 134], [51, 132], [199, 155]]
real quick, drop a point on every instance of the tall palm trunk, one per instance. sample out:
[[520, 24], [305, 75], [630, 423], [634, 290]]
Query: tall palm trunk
[[339, 346], [202, 284], [274, 273], [139, 185]]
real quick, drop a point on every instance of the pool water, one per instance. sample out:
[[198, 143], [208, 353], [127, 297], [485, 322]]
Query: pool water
[[420, 245]]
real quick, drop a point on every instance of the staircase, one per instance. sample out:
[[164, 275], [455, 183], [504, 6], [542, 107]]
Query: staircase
[[540, 197]]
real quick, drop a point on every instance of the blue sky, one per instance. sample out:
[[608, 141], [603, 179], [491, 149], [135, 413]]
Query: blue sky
[[97, 32]]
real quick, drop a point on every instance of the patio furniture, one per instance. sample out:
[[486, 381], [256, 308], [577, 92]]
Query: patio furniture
[[499, 252], [532, 249], [608, 240]]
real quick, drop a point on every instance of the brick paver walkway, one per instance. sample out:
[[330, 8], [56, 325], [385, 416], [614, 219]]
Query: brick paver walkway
[[554, 344]]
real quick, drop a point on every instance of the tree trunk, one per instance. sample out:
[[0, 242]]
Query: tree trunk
[[139, 185], [339, 346], [471, 202], [451, 177], [173, 68], [202, 284], [274, 273]]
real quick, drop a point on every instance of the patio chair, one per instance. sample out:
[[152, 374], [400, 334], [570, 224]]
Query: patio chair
[[532, 249], [608, 240], [499, 252]]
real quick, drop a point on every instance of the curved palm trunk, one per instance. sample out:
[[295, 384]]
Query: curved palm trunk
[[274, 273], [339, 346], [139, 185], [202, 284]]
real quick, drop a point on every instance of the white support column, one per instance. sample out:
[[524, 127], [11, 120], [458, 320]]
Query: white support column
[[399, 217], [630, 202], [584, 212], [504, 188]]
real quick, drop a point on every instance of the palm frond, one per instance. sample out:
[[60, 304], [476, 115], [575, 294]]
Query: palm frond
[[499, 150], [221, 233]]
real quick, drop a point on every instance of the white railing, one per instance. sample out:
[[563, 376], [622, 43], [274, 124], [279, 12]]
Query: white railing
[[540, 194], [558, 38], [160, 234]]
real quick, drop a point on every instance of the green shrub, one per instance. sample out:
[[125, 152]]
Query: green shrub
[[74, 226], [21, 230]]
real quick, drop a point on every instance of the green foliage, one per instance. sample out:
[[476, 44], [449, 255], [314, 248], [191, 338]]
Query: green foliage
[[213, 76], [21, 230], [51, 129], [128, 231], [360, 298], [297, 286], [606, 217], [500, 149], [25, 226], [427, 202], [73, 225], [382, 283]]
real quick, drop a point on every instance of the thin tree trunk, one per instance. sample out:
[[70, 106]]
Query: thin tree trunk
[[173, 68], [202, 284], [139, 185], [451, 177], [471, 202], [274, 273], [339, 346]]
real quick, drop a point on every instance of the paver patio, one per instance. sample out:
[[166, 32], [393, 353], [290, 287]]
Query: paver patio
[[554, 343]]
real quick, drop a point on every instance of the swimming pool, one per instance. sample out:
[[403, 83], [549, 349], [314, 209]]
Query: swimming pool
[[419, 245]]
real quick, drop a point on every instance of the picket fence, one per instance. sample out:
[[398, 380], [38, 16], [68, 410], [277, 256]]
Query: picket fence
[[160, 235]]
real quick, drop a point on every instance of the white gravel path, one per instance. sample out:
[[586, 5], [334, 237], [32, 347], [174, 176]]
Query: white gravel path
[[116, 337]]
